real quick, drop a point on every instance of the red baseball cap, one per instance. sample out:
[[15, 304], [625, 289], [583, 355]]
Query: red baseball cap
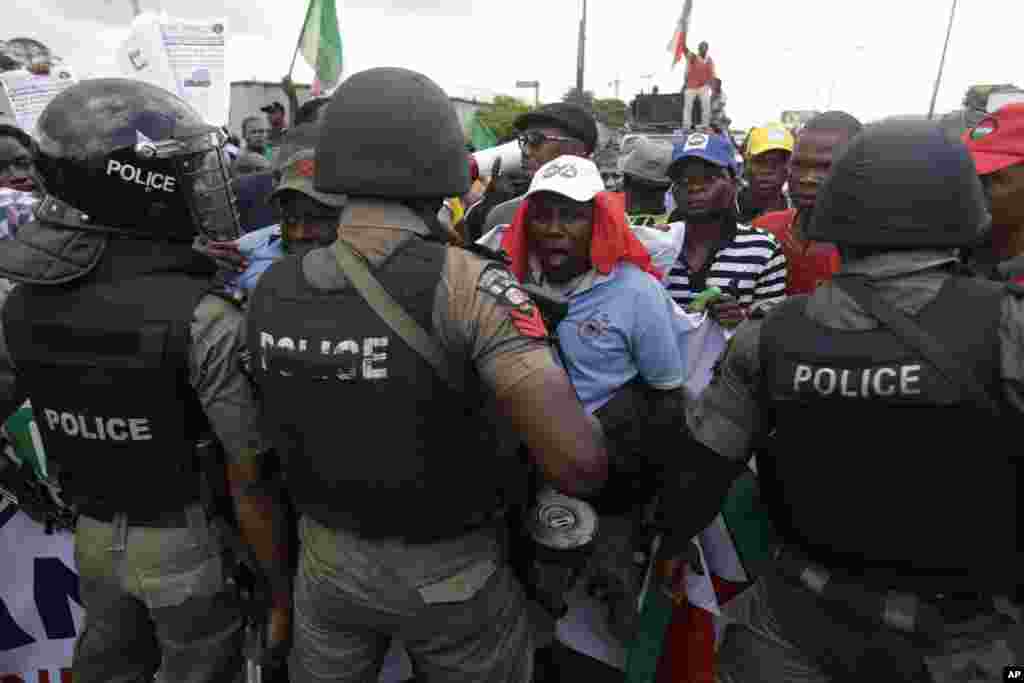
[[998, 141]]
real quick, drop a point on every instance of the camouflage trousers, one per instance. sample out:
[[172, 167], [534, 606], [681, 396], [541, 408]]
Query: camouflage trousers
[[756, 649], [455, 605], [155, 604]]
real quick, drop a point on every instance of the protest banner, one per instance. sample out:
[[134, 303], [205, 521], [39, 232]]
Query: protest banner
[[25, 94], [40, 608], [186, 57]]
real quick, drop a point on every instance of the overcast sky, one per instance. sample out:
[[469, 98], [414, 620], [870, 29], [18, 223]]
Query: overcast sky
[[870, 57]]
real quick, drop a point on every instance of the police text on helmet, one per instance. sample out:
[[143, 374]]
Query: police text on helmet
[[902, 380], [148, 179], [98, 428], [347, 359]]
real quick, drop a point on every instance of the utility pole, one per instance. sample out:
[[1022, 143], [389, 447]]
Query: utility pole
[[942, 62], [136, 7], [579, 58]]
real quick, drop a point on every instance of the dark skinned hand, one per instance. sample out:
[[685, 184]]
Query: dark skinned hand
[[727, 311], [225, 254]]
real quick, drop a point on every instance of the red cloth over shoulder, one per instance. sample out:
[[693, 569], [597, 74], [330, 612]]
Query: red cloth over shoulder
[[613, 240]]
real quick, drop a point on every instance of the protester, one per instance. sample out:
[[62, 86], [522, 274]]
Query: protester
[[20, 183], [618, 343], [865, 584], [308, 219], [645, 181], [700, 71], [719, 121], [17, 160], [278, 124], [768, 151], [809, 263], [310, 111], [997, 144], [573, 238], [253, 189], [745, 263], [452, 214], [254, 158], [130, 358], [545, 134], [436, 576], [506, 187]]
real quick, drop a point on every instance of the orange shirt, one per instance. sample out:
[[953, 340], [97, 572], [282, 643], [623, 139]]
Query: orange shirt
[[699, 72], [808, 264]]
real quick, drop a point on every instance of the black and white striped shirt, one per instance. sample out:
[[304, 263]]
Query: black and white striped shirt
[[749, 264]]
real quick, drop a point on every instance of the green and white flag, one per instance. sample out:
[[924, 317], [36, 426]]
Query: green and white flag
[[320, 43]]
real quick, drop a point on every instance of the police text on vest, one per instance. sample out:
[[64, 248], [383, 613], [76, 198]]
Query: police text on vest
[[98, 428], [901, 380], [350, 360]]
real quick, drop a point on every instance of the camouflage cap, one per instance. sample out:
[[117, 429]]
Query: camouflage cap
[[297, 174]]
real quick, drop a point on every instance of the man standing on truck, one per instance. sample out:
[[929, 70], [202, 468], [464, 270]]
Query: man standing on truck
[[700, 71]]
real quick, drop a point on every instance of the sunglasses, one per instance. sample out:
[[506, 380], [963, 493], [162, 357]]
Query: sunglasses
[[536, 138]]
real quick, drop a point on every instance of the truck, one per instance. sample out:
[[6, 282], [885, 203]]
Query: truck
[[657, 116]]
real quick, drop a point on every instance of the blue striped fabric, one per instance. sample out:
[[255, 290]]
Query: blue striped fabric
[[751, 266]]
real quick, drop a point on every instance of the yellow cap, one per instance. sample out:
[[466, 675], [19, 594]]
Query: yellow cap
[[768, 138]]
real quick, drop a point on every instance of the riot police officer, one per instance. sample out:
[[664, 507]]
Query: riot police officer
[[131, 363], [864, 400], [379, 359]]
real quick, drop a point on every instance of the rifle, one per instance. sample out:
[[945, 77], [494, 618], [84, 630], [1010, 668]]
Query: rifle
[[243, 573]]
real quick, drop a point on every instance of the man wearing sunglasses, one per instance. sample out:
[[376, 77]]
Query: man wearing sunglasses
[[552, 131]]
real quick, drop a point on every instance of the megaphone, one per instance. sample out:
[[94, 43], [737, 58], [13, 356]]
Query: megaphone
[[510, 154]]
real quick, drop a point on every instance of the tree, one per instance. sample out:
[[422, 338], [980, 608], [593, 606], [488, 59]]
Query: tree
[[584, 99], [611, 111], [501, 115]]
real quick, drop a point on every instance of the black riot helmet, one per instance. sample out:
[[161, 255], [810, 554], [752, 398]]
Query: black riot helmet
[[899, 185], [126, 157], [391, 133]]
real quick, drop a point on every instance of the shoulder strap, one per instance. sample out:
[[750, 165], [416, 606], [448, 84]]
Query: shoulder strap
[[914, 336], [384, 305]]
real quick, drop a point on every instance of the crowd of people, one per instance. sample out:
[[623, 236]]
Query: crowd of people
[[418, 402]]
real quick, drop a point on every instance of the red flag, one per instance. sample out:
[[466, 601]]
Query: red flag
[[677, 46]]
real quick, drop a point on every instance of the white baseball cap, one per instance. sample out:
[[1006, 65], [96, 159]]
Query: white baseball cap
[[570, 176]]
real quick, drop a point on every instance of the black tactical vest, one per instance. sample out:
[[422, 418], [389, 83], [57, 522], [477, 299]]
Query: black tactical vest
[[877, 463], [105, 364], [373, 440]]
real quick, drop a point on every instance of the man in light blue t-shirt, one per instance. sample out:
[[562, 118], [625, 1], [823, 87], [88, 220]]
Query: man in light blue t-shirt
[[571, 240], [619, 343], [619, 328], [309, 219]]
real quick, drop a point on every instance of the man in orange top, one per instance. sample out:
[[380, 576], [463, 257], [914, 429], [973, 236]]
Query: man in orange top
[[700, 70], [809, 263]]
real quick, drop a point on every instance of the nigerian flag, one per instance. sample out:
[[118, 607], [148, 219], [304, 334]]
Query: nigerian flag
[[481, 136], [320, 42]]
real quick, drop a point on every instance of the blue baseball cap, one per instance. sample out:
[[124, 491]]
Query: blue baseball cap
[[710, 147]]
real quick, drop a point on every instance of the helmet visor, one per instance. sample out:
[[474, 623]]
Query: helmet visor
[[204, 174]]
